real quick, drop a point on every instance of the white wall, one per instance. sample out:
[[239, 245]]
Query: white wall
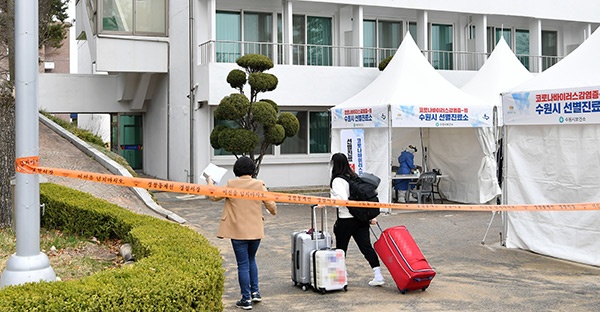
[[155, 132], [304, 85], [68, 93], [98, 124], [125, 55], [178, 105]]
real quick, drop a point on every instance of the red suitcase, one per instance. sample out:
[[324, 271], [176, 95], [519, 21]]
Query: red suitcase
[[403, 258]]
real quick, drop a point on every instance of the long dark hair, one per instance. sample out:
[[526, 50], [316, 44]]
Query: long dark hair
[[340, 167]]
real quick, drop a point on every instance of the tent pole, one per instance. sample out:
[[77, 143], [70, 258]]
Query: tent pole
[[424, 158], [504, 192], [390, 160]]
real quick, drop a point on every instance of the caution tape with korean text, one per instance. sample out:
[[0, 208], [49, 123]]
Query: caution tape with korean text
[[30, 165]]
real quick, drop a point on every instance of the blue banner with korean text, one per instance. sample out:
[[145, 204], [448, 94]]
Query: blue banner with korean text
[[552, 107], [451, 116], [353, 145], [363, 117]]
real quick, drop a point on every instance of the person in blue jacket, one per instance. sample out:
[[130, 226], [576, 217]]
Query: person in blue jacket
[[407, 166]]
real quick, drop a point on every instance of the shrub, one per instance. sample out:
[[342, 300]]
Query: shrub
[[176, 269]]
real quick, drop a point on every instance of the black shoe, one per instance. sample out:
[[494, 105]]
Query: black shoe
[[256, 297], [244, 304]]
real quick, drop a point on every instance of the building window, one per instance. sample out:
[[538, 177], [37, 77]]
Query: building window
[[134, 17], [257, 35], [312, 40], [412, 29], [299, 39], [320, 133], [233, 124], [549, 48], [297, 144], [380, 41], [494, 34], [229, 36], [390, 37], [442, 46], [369, 43], [313, 136], [522, 46], [506, 34]]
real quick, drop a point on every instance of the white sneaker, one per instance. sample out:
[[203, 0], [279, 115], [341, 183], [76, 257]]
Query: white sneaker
[[375, 282]]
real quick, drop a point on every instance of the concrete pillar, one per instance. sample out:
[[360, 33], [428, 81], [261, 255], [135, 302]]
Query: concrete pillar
[[422, 39]]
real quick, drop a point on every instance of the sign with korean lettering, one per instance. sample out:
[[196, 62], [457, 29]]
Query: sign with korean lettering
[[552, 107], [366, 117], [465, 116], [353, 145]]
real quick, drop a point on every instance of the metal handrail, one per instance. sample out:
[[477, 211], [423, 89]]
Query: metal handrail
[[225, 51]]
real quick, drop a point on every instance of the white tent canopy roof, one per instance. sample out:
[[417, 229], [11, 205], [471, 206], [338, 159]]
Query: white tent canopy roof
[[578, 69], [410, 82], [408, 79], [500, 72]]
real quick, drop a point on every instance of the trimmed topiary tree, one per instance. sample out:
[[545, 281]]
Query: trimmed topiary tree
[[384, 63], [250, 115]]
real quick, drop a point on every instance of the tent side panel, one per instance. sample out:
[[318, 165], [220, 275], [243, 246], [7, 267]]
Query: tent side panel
[[550, 165]]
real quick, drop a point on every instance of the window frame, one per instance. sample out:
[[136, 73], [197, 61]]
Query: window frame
[[377, 52], [276, 152], [99, 26], [448, 55]]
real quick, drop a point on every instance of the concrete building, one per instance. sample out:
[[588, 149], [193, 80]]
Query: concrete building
[[159, 67]]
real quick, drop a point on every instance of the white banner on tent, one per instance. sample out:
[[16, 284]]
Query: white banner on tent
[[353, 145], [458, 116], [552, 107], [351, 117]]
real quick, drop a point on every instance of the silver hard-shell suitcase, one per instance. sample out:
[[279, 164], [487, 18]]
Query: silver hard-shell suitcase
[[303, 243]]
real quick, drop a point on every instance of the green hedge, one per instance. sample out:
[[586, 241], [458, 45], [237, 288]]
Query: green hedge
[[176, 269]]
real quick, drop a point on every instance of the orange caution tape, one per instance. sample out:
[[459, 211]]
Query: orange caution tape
[[30, 165]]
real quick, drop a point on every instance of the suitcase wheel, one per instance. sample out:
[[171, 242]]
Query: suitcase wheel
[[346, 288], [304, 287], [423, 289], [402, 291], [323, 291]]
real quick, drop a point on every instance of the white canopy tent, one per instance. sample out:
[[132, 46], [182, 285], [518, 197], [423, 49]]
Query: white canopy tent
[[552, 152], [501, 71], [410, 103]]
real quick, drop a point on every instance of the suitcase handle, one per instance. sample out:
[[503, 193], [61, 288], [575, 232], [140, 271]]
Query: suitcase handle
[[373, 231], [313, 221]]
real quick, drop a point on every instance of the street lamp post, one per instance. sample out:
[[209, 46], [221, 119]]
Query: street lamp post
[[28, 264]]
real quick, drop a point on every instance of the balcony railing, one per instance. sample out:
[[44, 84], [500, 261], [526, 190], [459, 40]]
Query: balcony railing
[[323, 55]]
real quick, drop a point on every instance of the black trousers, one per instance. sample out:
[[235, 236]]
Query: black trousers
[[345, 228]]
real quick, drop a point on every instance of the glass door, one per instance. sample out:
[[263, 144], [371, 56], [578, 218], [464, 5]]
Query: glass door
[[441, 46]]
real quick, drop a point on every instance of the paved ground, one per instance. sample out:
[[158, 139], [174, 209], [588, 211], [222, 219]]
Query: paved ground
[[471, 276]]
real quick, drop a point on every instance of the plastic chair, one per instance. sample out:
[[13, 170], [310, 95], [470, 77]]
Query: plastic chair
[[423, 187]]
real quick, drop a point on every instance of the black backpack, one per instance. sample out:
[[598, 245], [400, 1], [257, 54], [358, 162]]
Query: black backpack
[[363, 188]]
